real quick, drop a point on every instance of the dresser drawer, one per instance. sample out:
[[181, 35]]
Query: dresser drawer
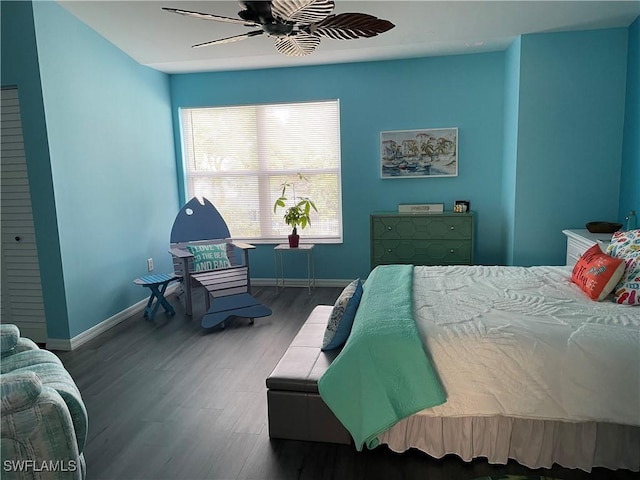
[[423, 227], [421, 252], [575, 251], [580, 240]]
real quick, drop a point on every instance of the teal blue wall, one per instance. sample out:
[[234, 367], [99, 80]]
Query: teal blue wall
[[630, 178], [464, 91], [570, 123], [20, 69], [540, 138], [111, 150], [105, 159]]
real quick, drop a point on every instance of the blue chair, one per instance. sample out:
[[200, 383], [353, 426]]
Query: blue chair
[[200, 227]]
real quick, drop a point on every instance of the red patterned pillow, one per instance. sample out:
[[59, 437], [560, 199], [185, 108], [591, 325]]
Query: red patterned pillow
[[626, 246], [597, 273]]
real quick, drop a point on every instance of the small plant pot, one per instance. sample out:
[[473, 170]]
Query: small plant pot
[[294, 241]]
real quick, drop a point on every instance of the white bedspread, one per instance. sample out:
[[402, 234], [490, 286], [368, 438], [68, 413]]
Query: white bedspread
[[527, 343]]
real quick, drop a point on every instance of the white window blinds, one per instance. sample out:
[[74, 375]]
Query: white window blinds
[[237, 157]]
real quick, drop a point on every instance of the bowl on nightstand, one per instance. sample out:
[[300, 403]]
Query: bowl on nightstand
[[603, 227]]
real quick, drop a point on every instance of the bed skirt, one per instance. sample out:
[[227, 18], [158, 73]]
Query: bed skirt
[[532, 443]]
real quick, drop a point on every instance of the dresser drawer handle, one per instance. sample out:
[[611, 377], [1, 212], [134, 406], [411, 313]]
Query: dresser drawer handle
[[389, 250], [451, 251], [451, 228], [389, 228]]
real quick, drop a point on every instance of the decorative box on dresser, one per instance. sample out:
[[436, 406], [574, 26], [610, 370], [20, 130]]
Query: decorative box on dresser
[[422, 239], [580, 240]]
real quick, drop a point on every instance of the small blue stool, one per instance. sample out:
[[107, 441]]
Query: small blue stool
[[157, 284]]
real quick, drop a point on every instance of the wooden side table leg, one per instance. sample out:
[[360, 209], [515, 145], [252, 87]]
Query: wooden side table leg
[[309, 253], [187, 287], [313, 269], [147, 309], [275, 268], [155, 293], [164, 302], [282, 268]]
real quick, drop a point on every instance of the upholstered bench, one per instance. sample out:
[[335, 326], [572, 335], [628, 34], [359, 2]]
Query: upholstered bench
[[296, 411]]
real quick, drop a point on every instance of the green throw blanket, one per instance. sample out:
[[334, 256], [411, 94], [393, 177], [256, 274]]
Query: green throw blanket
[[383, 373]]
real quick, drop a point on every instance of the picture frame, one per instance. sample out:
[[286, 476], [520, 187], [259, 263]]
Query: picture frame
[[424, 153], [462, 206]]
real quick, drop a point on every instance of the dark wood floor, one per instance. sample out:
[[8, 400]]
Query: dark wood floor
[[169, 400]]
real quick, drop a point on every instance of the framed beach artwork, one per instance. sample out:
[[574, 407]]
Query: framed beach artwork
[[419, 153]]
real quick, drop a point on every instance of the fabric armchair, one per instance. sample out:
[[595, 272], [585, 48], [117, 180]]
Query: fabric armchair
[[11, 342], [44, 421]]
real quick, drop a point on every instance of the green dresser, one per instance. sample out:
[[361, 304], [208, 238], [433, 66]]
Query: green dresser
[[433, 239]]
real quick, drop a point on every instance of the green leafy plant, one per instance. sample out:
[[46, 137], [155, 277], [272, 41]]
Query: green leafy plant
[[298, 214]]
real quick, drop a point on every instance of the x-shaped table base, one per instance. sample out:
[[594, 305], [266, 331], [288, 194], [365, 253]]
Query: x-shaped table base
[[158, 285]]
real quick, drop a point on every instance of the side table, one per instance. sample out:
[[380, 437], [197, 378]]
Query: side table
[[307, 248], [157, 284]]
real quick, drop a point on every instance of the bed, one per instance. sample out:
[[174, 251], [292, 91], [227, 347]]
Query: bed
[[525, 367]]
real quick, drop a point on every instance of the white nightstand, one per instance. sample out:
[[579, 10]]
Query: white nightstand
[[580, 240]]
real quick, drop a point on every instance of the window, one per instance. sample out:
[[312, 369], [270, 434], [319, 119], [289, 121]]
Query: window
[[237, 157]]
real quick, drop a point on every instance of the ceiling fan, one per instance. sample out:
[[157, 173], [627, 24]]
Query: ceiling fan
[[295, 25]]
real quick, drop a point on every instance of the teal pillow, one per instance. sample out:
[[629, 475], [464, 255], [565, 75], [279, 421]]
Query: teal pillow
[[342, 315], [209, 257]]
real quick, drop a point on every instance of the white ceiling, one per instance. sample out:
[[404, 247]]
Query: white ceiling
[[163, 40]]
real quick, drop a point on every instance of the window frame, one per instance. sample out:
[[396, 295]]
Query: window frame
[[263, 174]]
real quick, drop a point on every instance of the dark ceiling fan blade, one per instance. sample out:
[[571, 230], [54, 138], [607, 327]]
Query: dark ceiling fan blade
[[302, 11], [256, 11], [229, 39], [209, 16], [297, 45], [347, 26]]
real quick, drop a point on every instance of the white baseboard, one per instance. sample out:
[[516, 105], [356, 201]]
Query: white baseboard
[[93, 332], [300, 282]]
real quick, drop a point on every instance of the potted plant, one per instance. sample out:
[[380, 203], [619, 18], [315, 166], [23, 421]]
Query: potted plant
[[298, 214]]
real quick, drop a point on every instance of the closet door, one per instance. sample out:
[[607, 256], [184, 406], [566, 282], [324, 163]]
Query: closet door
[[21, 286]]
